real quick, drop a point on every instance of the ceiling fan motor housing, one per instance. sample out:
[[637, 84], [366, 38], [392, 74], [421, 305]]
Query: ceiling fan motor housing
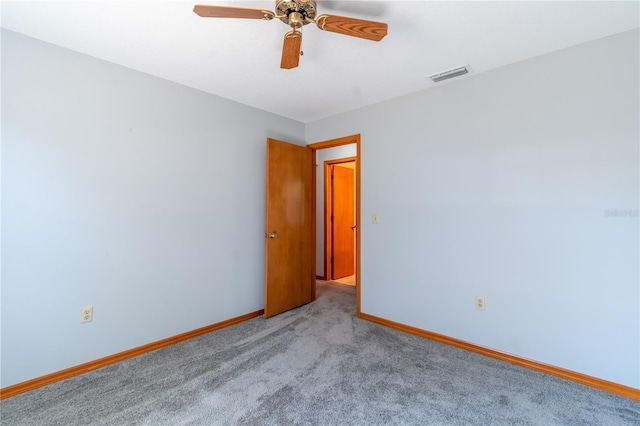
[[296, 13]]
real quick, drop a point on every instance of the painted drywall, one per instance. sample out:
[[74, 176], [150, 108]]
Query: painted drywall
[[123, 191], [519, 185], [322, 155]]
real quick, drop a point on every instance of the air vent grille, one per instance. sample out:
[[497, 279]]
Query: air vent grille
[[445, 75]]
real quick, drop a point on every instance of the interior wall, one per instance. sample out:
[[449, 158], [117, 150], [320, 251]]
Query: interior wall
[[323, 155], [127, 192], [521, 185]]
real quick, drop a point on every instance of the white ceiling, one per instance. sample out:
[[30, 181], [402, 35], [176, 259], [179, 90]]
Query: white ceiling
[[239, 59]]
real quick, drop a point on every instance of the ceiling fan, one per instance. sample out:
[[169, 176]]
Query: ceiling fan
[[297, 13]]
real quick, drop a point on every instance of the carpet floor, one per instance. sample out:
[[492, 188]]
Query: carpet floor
[[316, 365]]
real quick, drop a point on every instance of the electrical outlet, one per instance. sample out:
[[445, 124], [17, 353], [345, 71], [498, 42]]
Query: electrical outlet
[[375, 218], [480, 302], [87, 314]]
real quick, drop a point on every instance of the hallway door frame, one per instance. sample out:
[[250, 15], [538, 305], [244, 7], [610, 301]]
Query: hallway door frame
[[347, 140]]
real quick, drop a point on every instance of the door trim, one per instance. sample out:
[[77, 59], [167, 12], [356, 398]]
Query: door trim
[[347, 140]]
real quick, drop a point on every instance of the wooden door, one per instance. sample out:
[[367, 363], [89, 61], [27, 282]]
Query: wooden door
[[342, 238], [289, 239]]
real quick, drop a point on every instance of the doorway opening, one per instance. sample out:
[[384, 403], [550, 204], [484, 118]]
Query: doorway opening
[[340, 220], [326, 241]]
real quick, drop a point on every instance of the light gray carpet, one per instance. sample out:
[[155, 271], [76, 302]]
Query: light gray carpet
[[316, 365]]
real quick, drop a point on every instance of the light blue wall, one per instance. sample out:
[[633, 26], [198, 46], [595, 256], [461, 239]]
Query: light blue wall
[[123, 191], [502, 185], [322, 155]]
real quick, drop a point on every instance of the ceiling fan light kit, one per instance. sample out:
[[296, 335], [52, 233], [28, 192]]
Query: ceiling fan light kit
[[296, 14], [296, 11]]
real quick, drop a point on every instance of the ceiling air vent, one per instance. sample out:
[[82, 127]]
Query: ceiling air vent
[[445, 75]]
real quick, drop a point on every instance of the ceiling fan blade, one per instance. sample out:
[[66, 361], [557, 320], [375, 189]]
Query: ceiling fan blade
[[291, 50], [369, 30], [231, 12]]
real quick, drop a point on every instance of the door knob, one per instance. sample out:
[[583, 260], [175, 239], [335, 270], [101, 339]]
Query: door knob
[[273, 235]]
